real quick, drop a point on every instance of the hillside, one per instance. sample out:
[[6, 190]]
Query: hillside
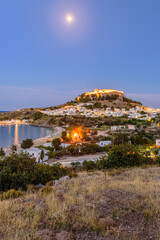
[[99, 205], [99, 99], [107, 97]]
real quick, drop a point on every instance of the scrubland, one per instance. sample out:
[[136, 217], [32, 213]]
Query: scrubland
[[117, 204]]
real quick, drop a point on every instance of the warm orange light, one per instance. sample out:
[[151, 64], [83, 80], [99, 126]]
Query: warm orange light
[[16, 135], [78, 134]]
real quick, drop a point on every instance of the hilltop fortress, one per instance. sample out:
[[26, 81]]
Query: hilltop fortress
[[101, 94], [104, 92]]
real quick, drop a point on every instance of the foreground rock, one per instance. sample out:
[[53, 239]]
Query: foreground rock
[[63, 179]]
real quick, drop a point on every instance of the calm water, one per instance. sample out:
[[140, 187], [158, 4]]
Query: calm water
[[14, 134]]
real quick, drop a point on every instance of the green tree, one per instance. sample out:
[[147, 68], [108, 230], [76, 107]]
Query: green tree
[[124, 156], [121, 138], [42, 155], [89, 165], [27, 143], [17, 171], [56, 143], [13, 148], [51, 154], [2, 152], [64, 136]]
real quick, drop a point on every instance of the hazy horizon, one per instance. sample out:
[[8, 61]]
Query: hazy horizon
[[58, 99]]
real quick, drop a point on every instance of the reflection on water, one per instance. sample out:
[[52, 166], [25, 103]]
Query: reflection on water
[[14, 134]]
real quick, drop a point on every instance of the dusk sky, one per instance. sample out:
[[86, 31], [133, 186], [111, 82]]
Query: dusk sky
[[46, 60]]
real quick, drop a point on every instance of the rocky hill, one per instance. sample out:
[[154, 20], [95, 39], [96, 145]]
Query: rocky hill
[[107, 98]]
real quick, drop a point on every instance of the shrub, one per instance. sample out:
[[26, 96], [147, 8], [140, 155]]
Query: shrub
[[51, 154], [11, 194], [18, 171], [27, 143], [157, 160], [2, 152], [124, 156], [89, 165], [76, 166], [121, 138], [56, 143]]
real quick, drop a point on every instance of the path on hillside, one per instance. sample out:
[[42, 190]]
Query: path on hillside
[[68, 160]]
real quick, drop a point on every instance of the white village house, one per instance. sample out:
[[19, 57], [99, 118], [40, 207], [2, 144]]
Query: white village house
[[158, 142], [36, 153], [131, 127], [104, 143]]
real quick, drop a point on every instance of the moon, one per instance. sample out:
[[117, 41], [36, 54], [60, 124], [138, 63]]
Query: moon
[[69, 18]]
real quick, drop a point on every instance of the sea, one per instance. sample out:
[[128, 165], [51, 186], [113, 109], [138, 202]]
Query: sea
[[15, 134]]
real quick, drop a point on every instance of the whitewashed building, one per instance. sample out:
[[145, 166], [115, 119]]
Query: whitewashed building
[[131, 127], [158, 142], [104, 143], [36, 153]]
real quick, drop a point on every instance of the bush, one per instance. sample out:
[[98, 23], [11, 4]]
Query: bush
[[157, 160], [2, 152], [121, 138], [27, 143], [124, 156], [56, 143], [18, 171], [11, 194], [51, 154], [89, 165]]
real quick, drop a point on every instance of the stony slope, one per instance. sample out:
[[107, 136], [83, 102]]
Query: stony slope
[[98, 206]]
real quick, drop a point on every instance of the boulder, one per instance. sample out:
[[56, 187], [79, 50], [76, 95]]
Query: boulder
[[40, 186], [64, 178], [56, 182]]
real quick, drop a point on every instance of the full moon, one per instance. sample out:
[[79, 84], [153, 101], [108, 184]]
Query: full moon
[[69, 19]]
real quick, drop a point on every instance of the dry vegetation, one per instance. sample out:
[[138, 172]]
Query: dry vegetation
[[100, 205]]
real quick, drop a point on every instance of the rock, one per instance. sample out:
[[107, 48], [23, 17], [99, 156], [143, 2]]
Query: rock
[[64, 178], [107, 222], [40, 186], [56, 182], [63, 235]]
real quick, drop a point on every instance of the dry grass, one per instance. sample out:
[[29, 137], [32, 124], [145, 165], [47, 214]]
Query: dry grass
[[120, 206]]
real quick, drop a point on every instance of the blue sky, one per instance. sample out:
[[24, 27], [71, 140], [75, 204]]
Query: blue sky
[[110, 44]]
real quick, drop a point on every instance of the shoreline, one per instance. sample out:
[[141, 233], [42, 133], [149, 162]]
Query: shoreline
[[39, 141]]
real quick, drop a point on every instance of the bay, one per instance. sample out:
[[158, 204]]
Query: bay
[[15, 134]]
